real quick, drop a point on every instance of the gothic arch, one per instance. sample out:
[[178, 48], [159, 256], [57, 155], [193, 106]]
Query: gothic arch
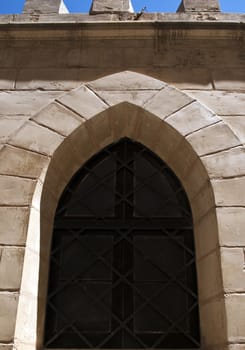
[[189, 137]]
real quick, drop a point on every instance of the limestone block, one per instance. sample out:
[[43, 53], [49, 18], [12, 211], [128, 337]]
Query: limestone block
[[167, 101], [25, 331], [206, 235], [9, 125], [100, 130], [46, 6], [125, 119], [110, 6], [232, 260], [8, 307], [209, 276], [58, 118], [237, 124], [37, 138], [229, 192], [7, 78], [229, 79], [237, 347], [212, 139], [126, 81], [213, 323], [13, 226], [6, 347], [11, 262], [191, 118], [226, 164], [235, 305], [138, 98], [15, 190], [188, 78], [25, 102], [16, 161], [69, 157], [29, 283], [48, 79], [195, 179], [84, 102], [202, 202], [199, 5], [221, 102], [231, 223]]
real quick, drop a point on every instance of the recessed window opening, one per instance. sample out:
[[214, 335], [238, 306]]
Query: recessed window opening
[[122, 270]]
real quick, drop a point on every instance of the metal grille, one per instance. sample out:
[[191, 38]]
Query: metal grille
[[122, 271]]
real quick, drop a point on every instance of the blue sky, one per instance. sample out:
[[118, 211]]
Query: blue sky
[[15, 6]]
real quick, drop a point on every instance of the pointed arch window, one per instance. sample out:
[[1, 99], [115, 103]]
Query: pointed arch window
[[122, 270]]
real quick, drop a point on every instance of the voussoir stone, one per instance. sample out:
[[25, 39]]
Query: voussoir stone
[[213, 138], [84, 102], [19, 162], [191, 118], [167, 101], [14, 222], [237, 124], [226, 164], [15, 190], [37, 138], [126, 81], [57, 117]]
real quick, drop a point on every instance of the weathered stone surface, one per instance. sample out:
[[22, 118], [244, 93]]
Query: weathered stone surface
[[232, 262], [7, 78], [167, 101], [213, 323], [231, 223], [37, 138], [6, 347], [16, 161], [13, 226], [229, 192], [213, 138], [8, 307], [48, 79], [229, 79], [237, 124], [235, 305], [9, 125], [84, 102], [210, 284], [110, 6], [25, 102], [11, 262], [58, 118], [191, 118], [206, 235], [188, 78], [199, 5], [226, 164], [126, 81], [45, 6], [135, 97], [15, 191], [221, 102], [202, 202]]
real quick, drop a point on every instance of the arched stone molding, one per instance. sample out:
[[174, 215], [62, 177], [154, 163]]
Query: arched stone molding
[[201, 149]]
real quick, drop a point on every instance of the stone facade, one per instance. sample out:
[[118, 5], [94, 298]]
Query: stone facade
[[71, 84]]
